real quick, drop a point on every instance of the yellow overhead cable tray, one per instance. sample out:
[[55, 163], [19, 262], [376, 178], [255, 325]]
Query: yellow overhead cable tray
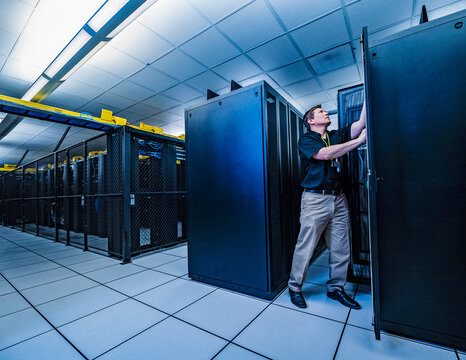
[[106, 122], [7, 167]]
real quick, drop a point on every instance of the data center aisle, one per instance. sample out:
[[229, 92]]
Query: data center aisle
[[58, 302]]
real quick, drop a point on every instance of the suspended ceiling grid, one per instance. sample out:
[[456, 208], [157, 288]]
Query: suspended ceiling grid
[[166, 59]]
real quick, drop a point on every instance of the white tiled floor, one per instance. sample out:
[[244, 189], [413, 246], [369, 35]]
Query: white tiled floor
[[91, 306]]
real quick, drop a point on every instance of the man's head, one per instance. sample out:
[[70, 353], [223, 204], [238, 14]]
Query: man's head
[[316, 117]]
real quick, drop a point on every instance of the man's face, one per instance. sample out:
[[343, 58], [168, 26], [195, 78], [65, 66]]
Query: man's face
[[320, 117]]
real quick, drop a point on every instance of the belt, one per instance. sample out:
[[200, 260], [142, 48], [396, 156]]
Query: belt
[[325, 192]]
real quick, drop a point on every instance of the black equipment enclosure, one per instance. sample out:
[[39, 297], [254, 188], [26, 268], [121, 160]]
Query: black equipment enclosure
[[416, 83], [354, 170], [243, 175]]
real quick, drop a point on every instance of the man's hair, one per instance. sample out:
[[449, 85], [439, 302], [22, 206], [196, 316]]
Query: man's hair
[[310, 115]]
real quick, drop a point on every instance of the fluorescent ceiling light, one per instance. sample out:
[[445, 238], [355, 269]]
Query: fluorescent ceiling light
[[68, 52], [35, 88], [131, 18], [83, 60], [105, 13]]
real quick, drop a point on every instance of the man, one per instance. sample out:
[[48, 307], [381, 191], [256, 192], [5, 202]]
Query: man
[[324, 209]]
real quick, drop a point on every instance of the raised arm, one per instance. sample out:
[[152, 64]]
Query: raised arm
[[335, 151], [359, 125]]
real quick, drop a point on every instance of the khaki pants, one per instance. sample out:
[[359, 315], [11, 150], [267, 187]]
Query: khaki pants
[[327, 214]]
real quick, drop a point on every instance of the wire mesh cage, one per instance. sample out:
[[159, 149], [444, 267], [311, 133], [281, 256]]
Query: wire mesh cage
[[120, 193]]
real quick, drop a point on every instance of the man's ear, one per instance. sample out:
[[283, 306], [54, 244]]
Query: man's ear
[[310, 121]]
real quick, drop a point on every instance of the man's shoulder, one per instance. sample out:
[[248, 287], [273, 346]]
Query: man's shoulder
[[309, 136]]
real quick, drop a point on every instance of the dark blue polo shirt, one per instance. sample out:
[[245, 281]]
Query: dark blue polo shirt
[[320, 175]]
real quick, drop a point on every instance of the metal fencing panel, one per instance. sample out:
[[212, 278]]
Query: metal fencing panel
[[120, 193]]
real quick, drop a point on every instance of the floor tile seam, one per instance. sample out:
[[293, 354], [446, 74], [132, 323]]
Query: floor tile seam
[[14, 267], [46, 283], [15, 312], [106, 282], [457, 355], [166, 273], [48, 322], [153, 267], [344, 326], [249, 323], [11, 292], [155, 287], [86, 272], [20, 342], [93, 312], [61, 297], [22, 257], [307, 313], [80, 262], [32, 273], [253, 351], [131, 337]]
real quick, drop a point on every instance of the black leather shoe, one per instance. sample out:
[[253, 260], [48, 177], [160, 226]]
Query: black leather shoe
[[344, 299], [297, 299]]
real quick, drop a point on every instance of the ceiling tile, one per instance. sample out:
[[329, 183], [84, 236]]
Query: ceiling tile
[[178, 65], [178, 110], [132, 91], [153, 121], [446, 10], [302, 11], [251, 25], [309, 101], [210, 48], [257, 78], [114, 101], [175, 20], [291, 73], [15, 15], [162, 102], [237, 69], [116, 62], [65, 100], [275, 53], [303, 88], [182, 92], [333, 59], [389, 31], [207, 80], [376, 14], [168, 118], [95, 108], [435, 4], [131, 116], [340, 77], [78, 88], [173, 129], [153, 79], [13, 87], [321, 34], [215, 10], [96, 77], [7, 41], [144, 109], [21, 70], [140, 42]]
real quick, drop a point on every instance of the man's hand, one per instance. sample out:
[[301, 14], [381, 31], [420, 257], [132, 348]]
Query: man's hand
[[357, 126], [362, 136]]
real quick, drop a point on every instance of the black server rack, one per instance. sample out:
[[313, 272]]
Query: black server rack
[[416, 83], [354, 171], [77, 176], [97, 204], [242, 200]]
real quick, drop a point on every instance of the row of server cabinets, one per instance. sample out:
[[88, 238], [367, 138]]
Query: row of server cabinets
[[81, 199], [244, 192]]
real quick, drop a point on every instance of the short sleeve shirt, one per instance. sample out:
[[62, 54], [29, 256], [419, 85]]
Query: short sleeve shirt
[[320, 174]]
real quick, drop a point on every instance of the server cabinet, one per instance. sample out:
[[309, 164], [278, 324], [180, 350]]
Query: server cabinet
[[242, 222], [416, 83], [354, 172]]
